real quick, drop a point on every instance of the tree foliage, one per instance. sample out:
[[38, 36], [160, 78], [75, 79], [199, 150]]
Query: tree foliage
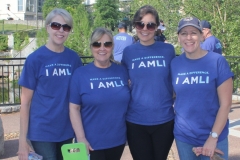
[[79, 39], [106, 13], [3, 42], [21, 39]]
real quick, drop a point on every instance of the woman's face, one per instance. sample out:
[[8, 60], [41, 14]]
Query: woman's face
[[57, 36], [102, 51], [190, 38], [145, 35]]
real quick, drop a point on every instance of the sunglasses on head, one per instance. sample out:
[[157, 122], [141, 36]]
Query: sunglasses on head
[[57, 26], [141, 25], [105, 44]]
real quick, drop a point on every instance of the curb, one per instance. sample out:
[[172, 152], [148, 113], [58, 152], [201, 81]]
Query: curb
[[10, 109]]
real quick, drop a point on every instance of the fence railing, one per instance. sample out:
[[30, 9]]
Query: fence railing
[[10, 70]]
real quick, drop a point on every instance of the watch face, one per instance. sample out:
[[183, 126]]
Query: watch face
[[214, 135]]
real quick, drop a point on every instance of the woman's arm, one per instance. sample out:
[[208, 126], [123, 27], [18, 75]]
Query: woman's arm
[[24, 147], [77, 125], [225, 101]]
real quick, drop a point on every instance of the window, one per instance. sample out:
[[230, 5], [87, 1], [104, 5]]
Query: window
[[20, 5], [30, 6]]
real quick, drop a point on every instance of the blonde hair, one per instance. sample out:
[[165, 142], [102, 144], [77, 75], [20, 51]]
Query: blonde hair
[[61, 12], [97, 34]]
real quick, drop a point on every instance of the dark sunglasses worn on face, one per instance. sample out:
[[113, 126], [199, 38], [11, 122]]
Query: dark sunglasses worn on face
[[141, 25], [98, 44], [57, 26]]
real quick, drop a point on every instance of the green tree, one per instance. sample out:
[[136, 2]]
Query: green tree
[[3, 42], [21, 39], [79, 39], [106, 13]]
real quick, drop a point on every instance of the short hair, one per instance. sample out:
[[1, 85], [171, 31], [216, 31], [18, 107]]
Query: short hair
[[97, 35], [61, 12], [144, 10]]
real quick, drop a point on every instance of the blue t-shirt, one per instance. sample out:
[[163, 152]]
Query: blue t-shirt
[[195, 83], [151, 88], [212, 44], [103, 94], [48, 74], [121, 40]]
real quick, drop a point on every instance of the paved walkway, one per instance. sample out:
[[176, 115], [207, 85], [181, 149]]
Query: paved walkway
[[11, 130]]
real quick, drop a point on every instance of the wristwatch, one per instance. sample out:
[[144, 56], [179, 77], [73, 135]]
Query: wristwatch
[[214, 134]]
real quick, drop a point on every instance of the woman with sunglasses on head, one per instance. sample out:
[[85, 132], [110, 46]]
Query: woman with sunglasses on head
[[150, 114], [202, 81], [99, 97], [45, 78]]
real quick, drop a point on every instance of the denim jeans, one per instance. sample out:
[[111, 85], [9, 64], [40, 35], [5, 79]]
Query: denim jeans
[[185, 150], [50, 150]]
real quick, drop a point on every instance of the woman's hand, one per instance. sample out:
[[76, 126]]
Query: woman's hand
[[24, 149], [88, 146], [209, 146]]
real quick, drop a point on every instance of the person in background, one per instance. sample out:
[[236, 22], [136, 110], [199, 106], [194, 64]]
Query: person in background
[[159, 33], [150, 115], [121, 40], [44, 100], [99, 97], [210, 43], [202, 82]]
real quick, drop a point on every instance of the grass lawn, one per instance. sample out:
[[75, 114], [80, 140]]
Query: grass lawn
[[13, 27]]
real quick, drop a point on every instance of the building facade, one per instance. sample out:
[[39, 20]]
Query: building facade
[[21, 9]]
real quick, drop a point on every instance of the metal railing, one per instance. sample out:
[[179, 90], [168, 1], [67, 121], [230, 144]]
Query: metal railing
[[10, 70]]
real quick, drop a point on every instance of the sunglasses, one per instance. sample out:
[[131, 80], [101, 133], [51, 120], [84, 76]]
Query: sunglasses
[[141, 25], [105, 44], [57, 26]]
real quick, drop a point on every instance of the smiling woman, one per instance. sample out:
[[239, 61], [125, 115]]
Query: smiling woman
[[202, 81], [44, 99], [99, 97], [150, 114]]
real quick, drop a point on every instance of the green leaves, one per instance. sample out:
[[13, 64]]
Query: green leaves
[[3, 42]]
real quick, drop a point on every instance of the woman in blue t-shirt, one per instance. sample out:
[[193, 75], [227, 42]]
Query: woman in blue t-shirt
[[202, 81], [44, 114], [99, 97], [150, 114]]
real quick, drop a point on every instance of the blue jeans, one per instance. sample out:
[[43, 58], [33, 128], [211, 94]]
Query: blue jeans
[[50, 150], [185, 150]]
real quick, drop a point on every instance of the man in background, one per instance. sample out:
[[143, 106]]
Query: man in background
[[121, 40], [211, 43], [159, 33]]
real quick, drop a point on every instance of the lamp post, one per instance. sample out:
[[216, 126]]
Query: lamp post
[[37, 13]]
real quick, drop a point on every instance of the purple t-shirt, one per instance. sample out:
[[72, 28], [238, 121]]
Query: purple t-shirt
[[195, 83], [48, 74], [103, 94], [212, 44], [151, 88]]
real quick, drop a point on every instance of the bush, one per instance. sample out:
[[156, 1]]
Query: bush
[[21, 39], [3, 42]]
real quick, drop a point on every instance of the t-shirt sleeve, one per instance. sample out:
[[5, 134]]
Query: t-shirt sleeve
[[75, 88], [224, 71], [28, 76]]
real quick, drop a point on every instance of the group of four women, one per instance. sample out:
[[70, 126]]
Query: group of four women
[[112, 103]]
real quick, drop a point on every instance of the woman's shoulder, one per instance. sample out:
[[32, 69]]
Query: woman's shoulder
[[70, 51]]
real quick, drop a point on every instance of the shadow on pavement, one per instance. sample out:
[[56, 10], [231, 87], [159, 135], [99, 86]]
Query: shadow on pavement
[[10, 148]]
